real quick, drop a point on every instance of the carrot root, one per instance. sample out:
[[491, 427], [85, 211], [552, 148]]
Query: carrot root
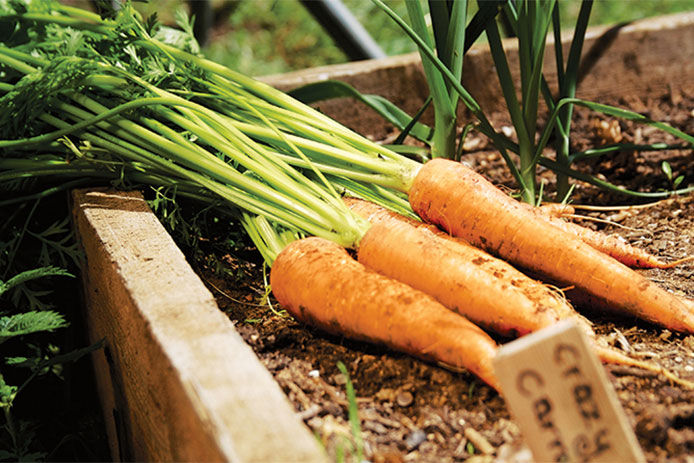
[[677, 263], [612, 356], [486, 290], [617, 248], [558, 210], [464, 204], [319, 283]]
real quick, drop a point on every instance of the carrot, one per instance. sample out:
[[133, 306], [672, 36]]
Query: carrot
[[466, 205], [611, 245], [489, 277], [557, 209], [486, 290], [319, 283]]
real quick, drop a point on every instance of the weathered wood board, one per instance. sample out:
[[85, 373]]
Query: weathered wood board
[[559, 393], [177, 383]]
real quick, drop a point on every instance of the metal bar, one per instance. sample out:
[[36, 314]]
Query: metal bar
[[344, 28]]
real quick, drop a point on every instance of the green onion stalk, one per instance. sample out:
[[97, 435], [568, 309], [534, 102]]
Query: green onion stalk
[[399, 177], [533, 20], [567, 75]]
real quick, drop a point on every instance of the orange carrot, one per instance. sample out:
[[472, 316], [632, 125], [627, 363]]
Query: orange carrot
[[319, 283], [377, 214], [464, 204], [557, 209], [611, 245], [486, 290]]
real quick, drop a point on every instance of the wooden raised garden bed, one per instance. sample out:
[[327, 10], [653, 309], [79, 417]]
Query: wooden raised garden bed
[[176, 380]]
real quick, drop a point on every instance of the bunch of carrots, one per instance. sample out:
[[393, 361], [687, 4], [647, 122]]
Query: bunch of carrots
[[144, 111]]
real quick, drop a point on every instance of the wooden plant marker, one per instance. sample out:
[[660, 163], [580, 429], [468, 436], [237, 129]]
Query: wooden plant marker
[[560, 396]]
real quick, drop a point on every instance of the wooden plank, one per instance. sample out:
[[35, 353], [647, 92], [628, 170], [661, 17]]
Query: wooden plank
[[177, 382], [559, 394]]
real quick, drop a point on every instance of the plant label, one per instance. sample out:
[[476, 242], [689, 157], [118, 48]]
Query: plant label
[[560, 396]]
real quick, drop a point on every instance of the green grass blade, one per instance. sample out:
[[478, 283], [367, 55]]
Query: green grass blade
[[353, 412]]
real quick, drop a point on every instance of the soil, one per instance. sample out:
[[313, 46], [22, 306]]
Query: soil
[[410, 410]]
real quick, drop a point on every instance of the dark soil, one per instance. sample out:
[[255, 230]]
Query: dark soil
[[413, 411]]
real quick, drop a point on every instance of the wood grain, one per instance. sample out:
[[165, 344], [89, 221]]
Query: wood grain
[[561, 398], [177, 383]]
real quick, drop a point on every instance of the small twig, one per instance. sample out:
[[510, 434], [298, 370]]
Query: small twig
[[479, 441], [622, 341], [309, 412], [238, 301], [621, 370]]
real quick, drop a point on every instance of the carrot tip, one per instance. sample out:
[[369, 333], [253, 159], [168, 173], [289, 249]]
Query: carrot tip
[[677, 262]]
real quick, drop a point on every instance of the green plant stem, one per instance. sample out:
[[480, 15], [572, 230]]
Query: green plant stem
[[568, 80], [11, 429], [227, 192], [601, 151], [44, 138], [15, 248], [288, 198], [443, 138], [551, 164], [526, 170], [610, 111]]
